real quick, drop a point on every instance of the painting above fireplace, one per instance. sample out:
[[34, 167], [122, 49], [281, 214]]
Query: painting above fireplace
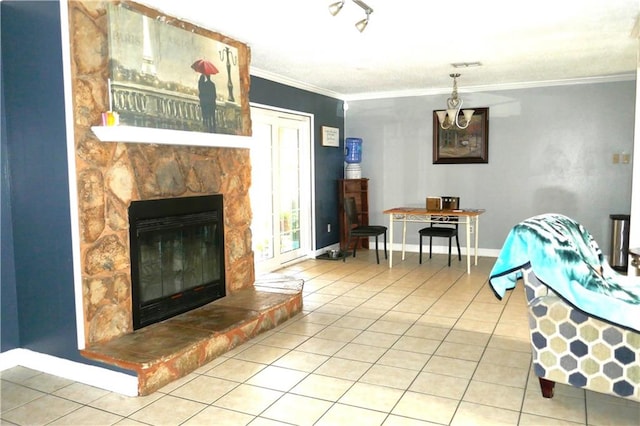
[[177, 256]]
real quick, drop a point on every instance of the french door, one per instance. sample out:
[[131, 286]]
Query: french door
[[280, 187]]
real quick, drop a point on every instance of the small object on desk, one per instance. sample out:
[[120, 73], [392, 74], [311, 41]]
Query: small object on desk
[[434, 203]]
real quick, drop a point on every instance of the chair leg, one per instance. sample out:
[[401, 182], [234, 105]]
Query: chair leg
[[377, 254], [421, 249], [355, 246], [346, 250], [458, 244], [449, 252], [430, 247], [385, 244], [546, 386]]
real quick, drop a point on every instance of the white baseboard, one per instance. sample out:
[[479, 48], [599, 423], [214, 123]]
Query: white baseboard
[[88, 374], [415, 248]]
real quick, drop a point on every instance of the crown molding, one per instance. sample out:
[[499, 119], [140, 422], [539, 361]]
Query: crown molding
[[439, 90], [277, 78], [492, 87]]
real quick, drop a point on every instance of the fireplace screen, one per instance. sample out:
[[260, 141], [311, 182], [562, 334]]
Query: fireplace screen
[[177, 256]]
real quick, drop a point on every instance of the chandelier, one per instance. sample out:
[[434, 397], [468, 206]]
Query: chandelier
[[450, 117], [334, 8]]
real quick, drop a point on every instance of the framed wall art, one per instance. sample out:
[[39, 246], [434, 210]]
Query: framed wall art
[[170, 74], [460, 146], [330, 136]]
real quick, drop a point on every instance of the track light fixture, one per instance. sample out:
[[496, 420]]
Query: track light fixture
[[334, 8]]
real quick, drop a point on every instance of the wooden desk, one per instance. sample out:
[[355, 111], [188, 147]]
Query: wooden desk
[[467, 217]]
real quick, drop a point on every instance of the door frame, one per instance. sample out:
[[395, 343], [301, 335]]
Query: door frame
[[311, 237]]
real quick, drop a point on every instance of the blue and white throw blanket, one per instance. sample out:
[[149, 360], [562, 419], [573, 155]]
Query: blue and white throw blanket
[[564, 256]]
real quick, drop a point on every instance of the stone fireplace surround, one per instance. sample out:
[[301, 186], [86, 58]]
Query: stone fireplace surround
[[111, 175]]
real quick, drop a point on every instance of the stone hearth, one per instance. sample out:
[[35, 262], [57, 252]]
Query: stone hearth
[[166, 351]]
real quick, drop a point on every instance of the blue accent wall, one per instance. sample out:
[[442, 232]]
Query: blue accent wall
[[329, 161], [9, 338], [39, 310]]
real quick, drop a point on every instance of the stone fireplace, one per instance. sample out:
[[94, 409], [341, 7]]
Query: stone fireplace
[[112, 175], [113, 178]]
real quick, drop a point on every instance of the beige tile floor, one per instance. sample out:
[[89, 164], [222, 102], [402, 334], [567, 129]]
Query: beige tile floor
[[414, 345]]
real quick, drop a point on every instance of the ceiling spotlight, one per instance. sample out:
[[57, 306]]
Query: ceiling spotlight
[[362, 24], [334, 8]]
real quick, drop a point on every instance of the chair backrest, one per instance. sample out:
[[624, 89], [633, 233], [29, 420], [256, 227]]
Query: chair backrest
[[351, 211], [448, 203]]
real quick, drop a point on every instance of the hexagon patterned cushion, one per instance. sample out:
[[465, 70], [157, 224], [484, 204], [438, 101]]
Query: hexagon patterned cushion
[[572, 347]]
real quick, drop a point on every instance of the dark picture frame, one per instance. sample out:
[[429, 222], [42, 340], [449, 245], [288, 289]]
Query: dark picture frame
[[462, 146]]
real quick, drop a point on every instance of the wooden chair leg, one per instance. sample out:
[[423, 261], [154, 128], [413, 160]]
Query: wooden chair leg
[[546, 386], [458, 244], [421, 249], [449, 251]]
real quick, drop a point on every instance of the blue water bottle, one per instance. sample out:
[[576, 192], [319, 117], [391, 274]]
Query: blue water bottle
[[353, 150]]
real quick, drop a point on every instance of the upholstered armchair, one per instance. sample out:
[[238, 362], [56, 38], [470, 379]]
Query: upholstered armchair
[[584, 317], [575, 348]]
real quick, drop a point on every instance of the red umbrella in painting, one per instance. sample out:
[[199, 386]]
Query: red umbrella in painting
[[204, 67]]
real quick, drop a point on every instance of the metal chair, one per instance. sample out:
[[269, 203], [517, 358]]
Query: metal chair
[[357, 231], [443, 226]]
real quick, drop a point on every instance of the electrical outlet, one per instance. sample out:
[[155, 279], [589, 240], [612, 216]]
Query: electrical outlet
[[471, 229], [328, 227]]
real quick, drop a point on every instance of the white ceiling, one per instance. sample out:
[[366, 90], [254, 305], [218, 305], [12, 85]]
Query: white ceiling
[[409, 45]]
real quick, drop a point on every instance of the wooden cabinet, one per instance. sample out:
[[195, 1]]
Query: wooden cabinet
[[358, 189]]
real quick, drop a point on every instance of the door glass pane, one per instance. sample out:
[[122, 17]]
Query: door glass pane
[[280, 189], [261, 192], [289, 171]]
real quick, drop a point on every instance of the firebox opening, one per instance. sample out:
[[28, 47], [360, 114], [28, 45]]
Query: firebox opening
[[177, 256]]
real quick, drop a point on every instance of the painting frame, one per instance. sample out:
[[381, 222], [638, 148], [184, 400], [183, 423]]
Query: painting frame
[[174, 102], [462, 146], [330, 136]]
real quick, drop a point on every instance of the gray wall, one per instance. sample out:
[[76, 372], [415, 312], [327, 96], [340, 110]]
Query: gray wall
[[550, 150]]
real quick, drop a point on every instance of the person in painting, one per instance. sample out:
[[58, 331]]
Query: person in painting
[[207, 95]]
